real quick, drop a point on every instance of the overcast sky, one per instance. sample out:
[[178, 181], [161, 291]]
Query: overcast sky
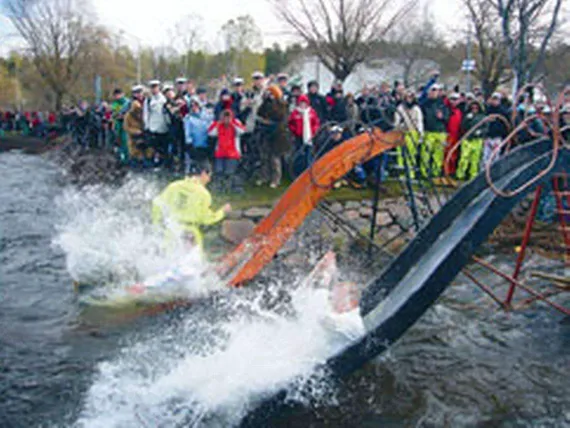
[[149, 22]]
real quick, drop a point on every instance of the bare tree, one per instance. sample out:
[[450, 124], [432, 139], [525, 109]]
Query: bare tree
[[240, 35], [187, 38], [59, 37], [341, 32], [412, 46], [490, 53], [527, 27]]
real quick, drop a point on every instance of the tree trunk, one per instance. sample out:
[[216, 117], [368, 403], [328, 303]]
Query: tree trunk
[[488, 87], [58, 100], [340, 74]]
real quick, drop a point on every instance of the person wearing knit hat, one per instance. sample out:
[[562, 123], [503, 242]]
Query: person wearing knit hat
[[303, 122], [225, 102], [272, 119]]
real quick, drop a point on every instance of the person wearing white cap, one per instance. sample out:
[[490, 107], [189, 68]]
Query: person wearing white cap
[[436, 115], [409, 118], [238, 95], [134, 126], [248, 106], [283, 82], [176, 108], [157, 121], [181, 87]]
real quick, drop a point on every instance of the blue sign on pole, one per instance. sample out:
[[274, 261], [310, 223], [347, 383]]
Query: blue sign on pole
[[97, 89]]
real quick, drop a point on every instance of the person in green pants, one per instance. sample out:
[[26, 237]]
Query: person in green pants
[[472, 147], [119, 107], [409, 118], [436, 115]]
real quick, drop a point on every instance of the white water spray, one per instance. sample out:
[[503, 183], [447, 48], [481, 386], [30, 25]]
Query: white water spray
[[198, 371]]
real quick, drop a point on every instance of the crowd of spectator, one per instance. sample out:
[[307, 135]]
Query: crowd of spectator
[[258, 129], [29, 123]]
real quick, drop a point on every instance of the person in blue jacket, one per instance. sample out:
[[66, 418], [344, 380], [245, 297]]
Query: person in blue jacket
[[196, 125]]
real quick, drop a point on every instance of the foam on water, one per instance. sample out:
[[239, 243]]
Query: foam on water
[[210, 374], [198, 371]]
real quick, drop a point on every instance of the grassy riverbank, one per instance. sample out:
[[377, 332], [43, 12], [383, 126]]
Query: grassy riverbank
[[264, 196]]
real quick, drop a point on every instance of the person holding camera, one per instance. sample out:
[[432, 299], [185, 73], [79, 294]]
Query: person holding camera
[[228, 131]]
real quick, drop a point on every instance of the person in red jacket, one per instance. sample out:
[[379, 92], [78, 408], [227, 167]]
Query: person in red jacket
[[228, 130], [453, 133], [303, 122]]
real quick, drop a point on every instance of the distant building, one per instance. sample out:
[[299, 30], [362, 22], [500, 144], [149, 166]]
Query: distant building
[[374, 72]]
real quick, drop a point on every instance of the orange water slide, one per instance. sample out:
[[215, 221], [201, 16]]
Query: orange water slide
[[300, 199]]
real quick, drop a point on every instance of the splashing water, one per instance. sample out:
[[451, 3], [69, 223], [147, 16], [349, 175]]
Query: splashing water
[[107, 235], [200, 373], [206, 368]]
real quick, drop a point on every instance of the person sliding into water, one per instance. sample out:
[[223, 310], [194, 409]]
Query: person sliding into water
[[186, 205], [181, 209]]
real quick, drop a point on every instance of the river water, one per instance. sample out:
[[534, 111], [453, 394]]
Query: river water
[[463, 364]]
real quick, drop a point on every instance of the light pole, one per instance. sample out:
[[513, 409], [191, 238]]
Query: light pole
[[468, 84], [468, 64]]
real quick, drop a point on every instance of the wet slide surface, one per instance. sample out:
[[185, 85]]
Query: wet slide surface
[[416, 278]]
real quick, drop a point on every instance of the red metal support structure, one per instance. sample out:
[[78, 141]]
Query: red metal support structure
[[524, 244]]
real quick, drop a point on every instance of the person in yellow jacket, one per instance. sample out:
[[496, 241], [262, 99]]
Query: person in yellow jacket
[[186, 205]]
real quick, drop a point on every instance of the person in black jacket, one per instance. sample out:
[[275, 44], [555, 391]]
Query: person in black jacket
[[318, 101], [497, 129], [436, 116], [338, 110]]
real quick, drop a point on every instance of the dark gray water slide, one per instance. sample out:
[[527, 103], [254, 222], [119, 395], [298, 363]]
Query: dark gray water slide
[[412, 283]]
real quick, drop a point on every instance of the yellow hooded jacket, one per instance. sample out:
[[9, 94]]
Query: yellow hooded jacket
[[187, 203]]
